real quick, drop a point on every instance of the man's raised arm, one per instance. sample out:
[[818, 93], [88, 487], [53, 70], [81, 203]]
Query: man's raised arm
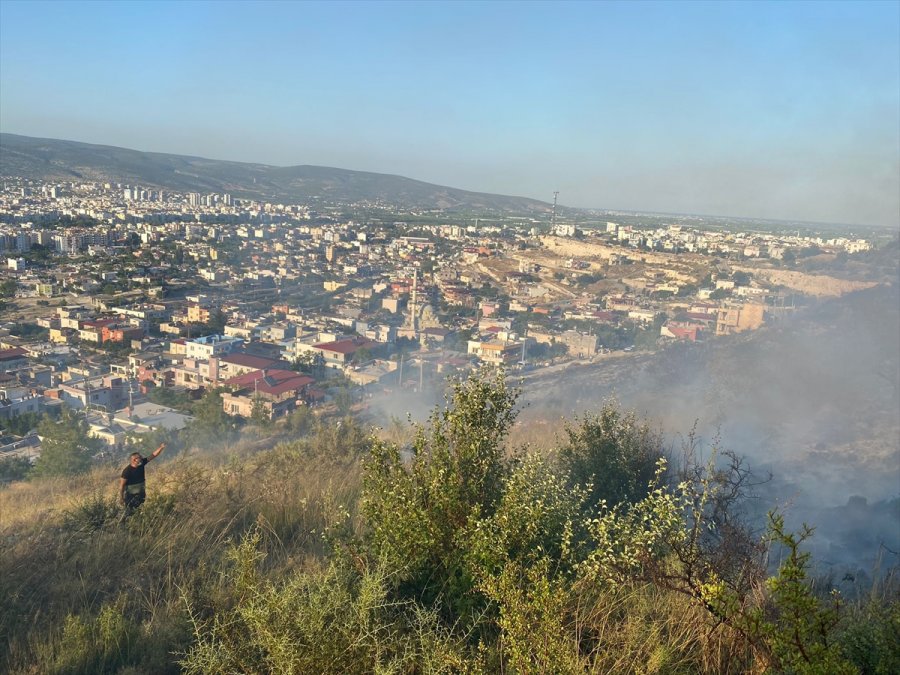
[[155, 453]]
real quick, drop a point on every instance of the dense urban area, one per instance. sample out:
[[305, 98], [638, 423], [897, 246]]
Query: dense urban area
[[134, 308]]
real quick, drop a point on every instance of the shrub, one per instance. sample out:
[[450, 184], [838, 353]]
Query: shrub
[[420, 514], [91, 644], [91, 513], [334, 620], [14, 468], [612, 454]]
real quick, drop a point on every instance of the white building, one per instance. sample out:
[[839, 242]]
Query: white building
[[211, 345]]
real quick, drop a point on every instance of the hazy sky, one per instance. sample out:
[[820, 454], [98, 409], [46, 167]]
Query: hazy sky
[[781, 110]]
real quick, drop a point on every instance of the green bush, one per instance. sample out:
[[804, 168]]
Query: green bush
[[92, 644], [91, 513], [420, 513], [454, 555], [612, 454], [870, 637], [339, 619], [14, 468]]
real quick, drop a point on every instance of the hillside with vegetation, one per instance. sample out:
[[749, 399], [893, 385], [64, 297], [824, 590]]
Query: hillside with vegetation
[[49, 159], [440, 547]]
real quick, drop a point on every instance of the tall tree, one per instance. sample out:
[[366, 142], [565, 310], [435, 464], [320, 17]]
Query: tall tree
[[66, 447], [211, 425], [259, 413]]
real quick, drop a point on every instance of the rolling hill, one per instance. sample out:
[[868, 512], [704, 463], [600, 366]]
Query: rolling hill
[[49, 159]]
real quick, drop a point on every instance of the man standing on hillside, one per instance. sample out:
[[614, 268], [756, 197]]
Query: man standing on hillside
[[131, 486]]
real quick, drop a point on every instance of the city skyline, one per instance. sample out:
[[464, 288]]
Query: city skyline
[[781, 111]]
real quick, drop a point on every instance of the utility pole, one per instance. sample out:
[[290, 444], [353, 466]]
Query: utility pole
[[415, 297]]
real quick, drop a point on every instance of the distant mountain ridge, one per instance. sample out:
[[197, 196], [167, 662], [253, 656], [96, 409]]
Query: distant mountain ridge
[[51, 159]]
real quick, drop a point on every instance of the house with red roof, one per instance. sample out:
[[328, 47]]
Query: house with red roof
[[340, 353], [706, 319], [679, 330], [278, 391]]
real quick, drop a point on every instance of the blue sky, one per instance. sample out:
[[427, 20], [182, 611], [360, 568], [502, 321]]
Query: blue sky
[[778, 110]]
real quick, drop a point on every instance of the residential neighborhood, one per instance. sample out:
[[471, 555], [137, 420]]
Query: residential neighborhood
[[128, 303]]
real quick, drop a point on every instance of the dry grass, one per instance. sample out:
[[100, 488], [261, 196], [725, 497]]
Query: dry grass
[[85, 591], [640, 628], [24, 503], [67, 552]]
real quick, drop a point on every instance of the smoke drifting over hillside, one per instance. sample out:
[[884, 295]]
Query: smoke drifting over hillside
[[814, 399]]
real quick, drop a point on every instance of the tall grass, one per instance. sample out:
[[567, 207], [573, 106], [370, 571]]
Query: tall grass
[[85, 590], [245, 559]]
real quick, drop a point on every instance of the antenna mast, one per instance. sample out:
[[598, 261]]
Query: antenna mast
[[553, 216]]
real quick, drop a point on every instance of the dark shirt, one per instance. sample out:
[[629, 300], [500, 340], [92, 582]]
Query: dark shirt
[[134, 475]]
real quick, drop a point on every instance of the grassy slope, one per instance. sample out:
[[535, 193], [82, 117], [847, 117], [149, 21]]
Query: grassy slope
[[66, 553], [103, 596]]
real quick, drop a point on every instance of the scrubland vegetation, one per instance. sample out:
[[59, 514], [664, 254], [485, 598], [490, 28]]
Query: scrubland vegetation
[[340, 552]]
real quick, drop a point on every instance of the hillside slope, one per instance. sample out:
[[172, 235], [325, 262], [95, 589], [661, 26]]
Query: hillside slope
[[50, 159]]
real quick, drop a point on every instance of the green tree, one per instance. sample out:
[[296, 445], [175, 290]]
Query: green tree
[[794, 631], [14, 468], [66, 448], [611, 454], [148, 442], [259, 412], [421, 513], [217, 320], [557, 349], [169, 397], [211, 425], [647, 337], [740, 278], [22, 424], [362, 355], [303, 363], [343, 399], [8, 288], [301, 421]]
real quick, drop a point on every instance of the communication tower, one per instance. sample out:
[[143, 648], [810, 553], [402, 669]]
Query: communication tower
[[553, 215]]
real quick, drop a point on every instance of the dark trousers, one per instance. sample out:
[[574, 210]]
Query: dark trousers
[[133, 502]]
